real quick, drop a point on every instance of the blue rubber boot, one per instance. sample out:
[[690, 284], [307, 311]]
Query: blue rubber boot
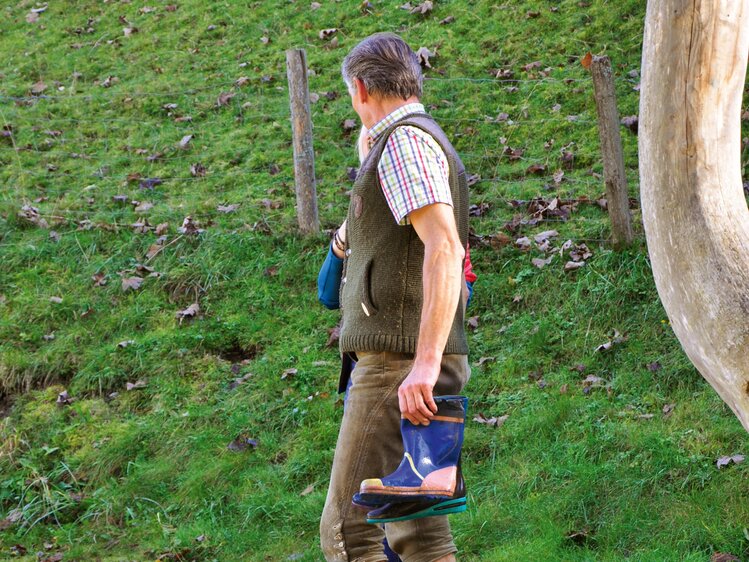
[[430, 469]]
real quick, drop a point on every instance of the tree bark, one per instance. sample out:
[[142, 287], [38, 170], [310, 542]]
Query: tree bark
[[694, 211]]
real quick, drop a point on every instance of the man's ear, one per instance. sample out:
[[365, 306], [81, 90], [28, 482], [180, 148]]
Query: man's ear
[[361, 90]]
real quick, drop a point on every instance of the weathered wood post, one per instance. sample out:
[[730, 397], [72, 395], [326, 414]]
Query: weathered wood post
[[304, 154], [693, 207], [611, 149]]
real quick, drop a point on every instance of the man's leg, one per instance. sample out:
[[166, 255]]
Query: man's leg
[[369, 445], [430, 539]]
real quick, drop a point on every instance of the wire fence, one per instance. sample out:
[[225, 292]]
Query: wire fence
[[50, 142]]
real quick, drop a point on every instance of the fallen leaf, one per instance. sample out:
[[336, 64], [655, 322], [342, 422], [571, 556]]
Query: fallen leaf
[[55, 300], [724, 557], [349, 125], [483, 360], [423, 8], [185, 141], [224, 98], [136, 385], [478, 210], [668, 410], [499, 240], [491, 422], [288, 373], [241, 443], [190, 312], [523, 243], [473, 322], [572, 265], [537, 169], [447, 20], [334, 335], [64, 399], [423, 55], [631, 122], [153, 250], [149, 183], [123, 344], [197, 170], [587, 60], [616, 339], [541, 263], [227, 208], [725, 461], [327, 33], [542, 237], [189, 226], [308, 490], [654, 367], [131, 283]]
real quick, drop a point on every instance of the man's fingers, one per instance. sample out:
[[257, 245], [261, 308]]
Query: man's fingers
[[413, 407], [415, 414], [430, 402]]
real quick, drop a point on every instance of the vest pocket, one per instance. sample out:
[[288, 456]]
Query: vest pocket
[[366, 291]]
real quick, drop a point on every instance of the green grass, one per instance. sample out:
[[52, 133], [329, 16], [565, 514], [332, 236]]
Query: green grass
[[144, 474]]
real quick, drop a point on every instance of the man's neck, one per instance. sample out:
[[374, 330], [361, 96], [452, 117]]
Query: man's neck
[[385, 107]]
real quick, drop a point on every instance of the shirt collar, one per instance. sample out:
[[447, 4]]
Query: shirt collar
[[379, 127]]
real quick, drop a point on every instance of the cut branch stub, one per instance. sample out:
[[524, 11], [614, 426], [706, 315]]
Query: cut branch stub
[[694, 211]]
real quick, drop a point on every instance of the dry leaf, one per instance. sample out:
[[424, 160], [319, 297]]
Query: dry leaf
[[423, 8], [288, 373], [572, 265], [135, 385], [327, 33], [185, 141], [725, 461], [587, 60], [423, 55], [190, 312], [491, 422], [131, 283]]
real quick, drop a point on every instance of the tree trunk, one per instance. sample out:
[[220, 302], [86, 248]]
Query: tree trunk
[[694, 211]]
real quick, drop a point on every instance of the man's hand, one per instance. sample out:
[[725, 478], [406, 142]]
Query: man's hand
[[415, 393]]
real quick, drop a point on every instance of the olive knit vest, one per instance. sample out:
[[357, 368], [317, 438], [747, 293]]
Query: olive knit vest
[[381, 289]]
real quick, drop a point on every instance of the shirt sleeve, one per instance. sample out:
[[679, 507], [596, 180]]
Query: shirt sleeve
[[413, 172]]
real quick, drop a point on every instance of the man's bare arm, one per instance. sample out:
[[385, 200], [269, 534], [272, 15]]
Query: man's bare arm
[[442, 277]]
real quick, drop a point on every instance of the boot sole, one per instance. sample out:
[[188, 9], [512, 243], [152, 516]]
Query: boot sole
[[458, 505]]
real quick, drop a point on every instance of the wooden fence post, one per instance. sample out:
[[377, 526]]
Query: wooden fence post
[[304, 154], [611, 148]]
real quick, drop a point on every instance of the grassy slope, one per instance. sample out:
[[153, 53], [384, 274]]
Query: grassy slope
[[152, 465]]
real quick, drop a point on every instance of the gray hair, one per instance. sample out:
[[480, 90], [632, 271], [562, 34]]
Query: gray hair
[[387, 66]]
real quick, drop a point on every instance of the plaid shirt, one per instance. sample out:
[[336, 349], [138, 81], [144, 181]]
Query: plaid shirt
[[413, 169]]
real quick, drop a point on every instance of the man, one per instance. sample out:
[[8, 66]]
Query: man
[[405, 238]]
